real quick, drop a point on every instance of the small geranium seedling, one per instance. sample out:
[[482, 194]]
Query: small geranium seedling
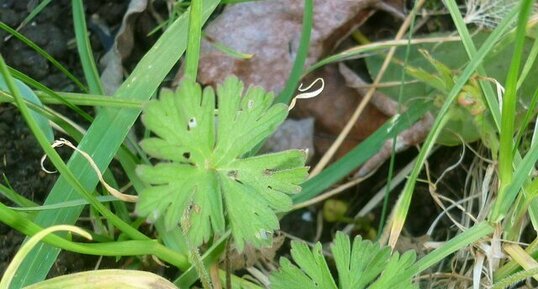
[[204, 183]]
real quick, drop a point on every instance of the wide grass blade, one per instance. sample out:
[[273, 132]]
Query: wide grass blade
[[509, 192], [107, 278], [104, 137]]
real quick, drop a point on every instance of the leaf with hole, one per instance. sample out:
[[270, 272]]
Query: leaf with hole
[[203, 184]]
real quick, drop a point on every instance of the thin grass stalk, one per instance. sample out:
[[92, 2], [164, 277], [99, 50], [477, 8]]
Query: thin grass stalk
[[85, 49], [392, 161], [302, 52], [508, 117], [116, 248]]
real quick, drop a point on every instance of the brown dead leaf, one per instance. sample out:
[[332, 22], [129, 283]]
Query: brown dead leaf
[[270, 30], [112, 75]]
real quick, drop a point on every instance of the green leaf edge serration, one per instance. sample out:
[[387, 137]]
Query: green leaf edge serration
[[202, 183]]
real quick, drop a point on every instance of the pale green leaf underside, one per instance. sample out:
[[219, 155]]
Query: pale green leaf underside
[[204, 184], [361, 265]]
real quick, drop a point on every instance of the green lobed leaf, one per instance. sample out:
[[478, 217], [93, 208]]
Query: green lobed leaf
[[361, 265], [204, 184]]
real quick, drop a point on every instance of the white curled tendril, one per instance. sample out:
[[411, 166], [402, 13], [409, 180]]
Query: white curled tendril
[[110, 189], [307, 94]]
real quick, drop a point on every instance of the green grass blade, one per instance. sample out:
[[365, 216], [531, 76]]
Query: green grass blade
[[43, 53], [15, 197], [192, 54], [511, 280], [360, 154], [402, 206], [512, 266], [462, 240], [105, 136], [384, 210], [67, 204], [298, 65], [49, 114], [25, 249], [88, 100], [363, 50], [508, 118], [85, 49], [529, 62], [59, 99], [506, 201], [34, 12], [489, 94], [117, 248], [211, 256], [228, 51]]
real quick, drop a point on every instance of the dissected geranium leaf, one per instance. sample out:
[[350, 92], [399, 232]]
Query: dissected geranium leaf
[[203, 182], [362, 264]]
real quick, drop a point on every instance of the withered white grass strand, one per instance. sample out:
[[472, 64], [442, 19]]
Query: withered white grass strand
[[110, 189], [306, 95]]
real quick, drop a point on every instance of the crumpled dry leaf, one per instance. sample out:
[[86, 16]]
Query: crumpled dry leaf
[[112, 75], [270, 30]]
